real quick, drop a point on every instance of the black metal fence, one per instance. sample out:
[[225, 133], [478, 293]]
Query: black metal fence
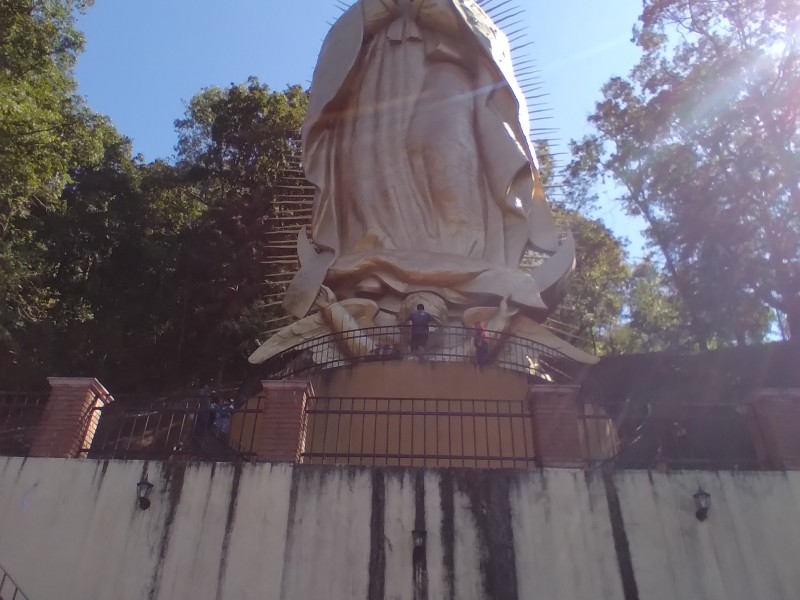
[[442, 344], [8, 589], [675, 436], [416, 432], [428, 432], [20, 413], [199, 427]]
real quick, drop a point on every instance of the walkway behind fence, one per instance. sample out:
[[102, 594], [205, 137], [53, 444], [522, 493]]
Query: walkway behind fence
[[196, 427], [674, 436], [443, 344]]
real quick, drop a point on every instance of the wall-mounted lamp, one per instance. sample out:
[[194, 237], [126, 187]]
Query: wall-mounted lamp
[[702, 502], [143, 489], [419, 535]]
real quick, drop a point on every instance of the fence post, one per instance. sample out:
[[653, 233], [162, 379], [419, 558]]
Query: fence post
[[556, 426], [69, 421], [280, 429], [777, 415]]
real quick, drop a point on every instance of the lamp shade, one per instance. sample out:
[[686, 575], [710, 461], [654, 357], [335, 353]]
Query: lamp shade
[[143, 489], [702, 502]]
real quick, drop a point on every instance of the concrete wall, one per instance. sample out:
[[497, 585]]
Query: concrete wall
[[748, 549], [71, 529]]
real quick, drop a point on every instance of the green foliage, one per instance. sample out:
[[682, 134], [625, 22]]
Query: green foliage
[[44, 132], [701, 140], [654, 319], [44, 128], [596, 291], [153, 274], [232, 147]]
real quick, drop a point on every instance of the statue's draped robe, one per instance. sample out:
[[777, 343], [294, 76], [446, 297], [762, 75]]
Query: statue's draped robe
[[414, 141]]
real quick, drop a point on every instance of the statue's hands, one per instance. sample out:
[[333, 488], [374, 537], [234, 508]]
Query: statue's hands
[[502, 318], [503, 308], [374, 9], [325, 297], [409, 7]]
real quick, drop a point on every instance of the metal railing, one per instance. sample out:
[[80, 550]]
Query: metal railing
[[9, 590], [443, 344], [20, 413], [195, 427], [416, 432], [675, 436]]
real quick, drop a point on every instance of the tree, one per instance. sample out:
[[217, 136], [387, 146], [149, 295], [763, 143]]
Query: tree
[[702, 142], [596, 290], [155, 272], [597, 287], [653, 319], [232, 147], [102, 254], [45, 130]]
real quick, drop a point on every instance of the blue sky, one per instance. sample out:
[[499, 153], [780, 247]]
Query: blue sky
[[144, 58]]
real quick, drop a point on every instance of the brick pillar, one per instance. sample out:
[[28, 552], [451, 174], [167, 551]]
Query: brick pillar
[[280, 429], [69, 421], [556, 427], [777, 415]]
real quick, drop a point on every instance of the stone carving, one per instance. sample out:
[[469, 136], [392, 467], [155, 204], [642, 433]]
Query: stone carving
[[416, 142]]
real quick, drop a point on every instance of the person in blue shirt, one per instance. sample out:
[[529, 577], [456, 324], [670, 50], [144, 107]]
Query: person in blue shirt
[[420, 324]]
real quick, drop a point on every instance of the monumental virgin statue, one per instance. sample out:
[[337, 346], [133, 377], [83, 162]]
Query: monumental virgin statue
[[426, 184]]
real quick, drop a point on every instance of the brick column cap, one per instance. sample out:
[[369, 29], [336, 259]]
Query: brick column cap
[[553, 388], [763, 394], [284, 384], [87, 383]]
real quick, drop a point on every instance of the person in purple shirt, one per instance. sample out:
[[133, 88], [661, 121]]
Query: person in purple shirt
[[420, 323], [481, 342]]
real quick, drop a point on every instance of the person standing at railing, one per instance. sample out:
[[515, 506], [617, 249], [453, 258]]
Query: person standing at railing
[[206, 411], [481, 342], [420, 325], [223, 418]]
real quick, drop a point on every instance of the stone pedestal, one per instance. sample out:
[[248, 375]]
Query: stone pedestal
[[424, 414], [69, 420]]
